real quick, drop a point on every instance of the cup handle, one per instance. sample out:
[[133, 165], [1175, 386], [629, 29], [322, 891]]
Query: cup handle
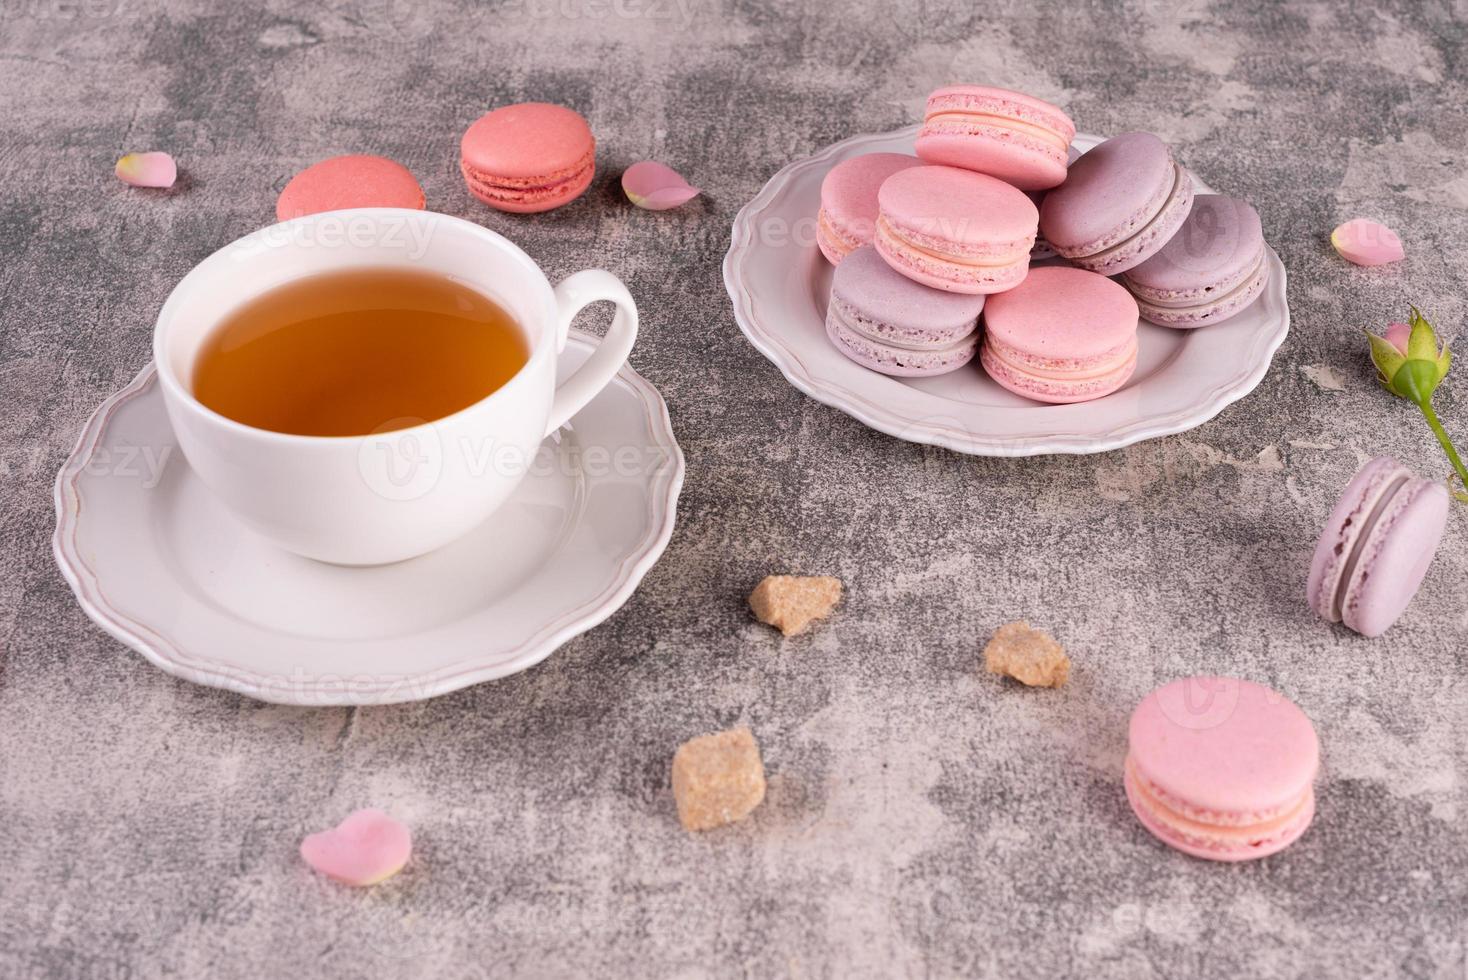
[[573, 294]]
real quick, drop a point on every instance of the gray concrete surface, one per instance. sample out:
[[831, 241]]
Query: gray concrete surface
[[923, 819]]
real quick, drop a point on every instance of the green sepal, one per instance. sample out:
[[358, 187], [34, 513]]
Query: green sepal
[[1386, 357], [1422, 343], [1415, 381]]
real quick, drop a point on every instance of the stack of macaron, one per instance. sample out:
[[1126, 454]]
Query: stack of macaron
[[995, 185]]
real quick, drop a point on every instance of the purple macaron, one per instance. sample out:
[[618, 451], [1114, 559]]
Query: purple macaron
[[1376, 546], [1120, 203], [1213, 268], [1042, 249], [883, 320]]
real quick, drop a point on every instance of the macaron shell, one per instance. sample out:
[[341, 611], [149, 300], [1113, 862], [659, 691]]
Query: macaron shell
[[894, 361], [1228, 750], [848, 215], [525, 142], [1348, 520], [992, 100], [993, 150], [959, 212], [352, 181], [899, 309], [1041, 249], [1009, 135], [1395, 557], [1063, 313]]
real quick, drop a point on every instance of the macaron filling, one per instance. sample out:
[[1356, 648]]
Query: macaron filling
[[1050, 125], [952, 250], [1191, 296], [836, 239], [1372, 539], [1000, 127], [944, 273], [1238, 833], [1334, 586], [898, 360], [1064, 368], [1210, 816], [1209, 309], [1056, 386], [521, 190]]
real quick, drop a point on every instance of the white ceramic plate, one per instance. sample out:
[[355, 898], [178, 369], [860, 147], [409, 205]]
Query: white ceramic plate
[[779, 284], [156, 562]]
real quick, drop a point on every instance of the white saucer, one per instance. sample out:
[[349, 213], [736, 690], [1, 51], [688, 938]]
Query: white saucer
[[156, 562], [779, 284]]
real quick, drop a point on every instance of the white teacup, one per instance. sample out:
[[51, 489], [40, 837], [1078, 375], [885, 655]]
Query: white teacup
[[376, 498]]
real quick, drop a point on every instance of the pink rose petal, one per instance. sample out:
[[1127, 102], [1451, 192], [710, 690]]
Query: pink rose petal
[[1397, 335], [1367, 242], [655, 187], [147, 169], [364, 849]]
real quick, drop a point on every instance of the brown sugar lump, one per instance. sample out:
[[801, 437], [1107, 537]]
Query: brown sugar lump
[[717, 779], [790, 603], [1030, 656]]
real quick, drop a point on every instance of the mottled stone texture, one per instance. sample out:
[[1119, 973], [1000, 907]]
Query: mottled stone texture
[[923, 818]]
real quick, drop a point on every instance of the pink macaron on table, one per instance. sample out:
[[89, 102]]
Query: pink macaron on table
[[949, 228]]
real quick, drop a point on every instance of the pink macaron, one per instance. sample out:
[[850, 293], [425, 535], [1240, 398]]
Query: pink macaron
[[884, 321], [955, 229], [1211, 270], [528, 157], [356, 181], [1376, 546], [1221, 768], [1015, 137], [1063, 335], [848, 216], [1120, 203]]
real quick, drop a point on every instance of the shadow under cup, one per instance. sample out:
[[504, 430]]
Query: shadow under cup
[[380, 497]]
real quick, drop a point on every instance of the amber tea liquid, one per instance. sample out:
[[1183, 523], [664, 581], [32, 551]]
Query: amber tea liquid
[[356, 352]]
